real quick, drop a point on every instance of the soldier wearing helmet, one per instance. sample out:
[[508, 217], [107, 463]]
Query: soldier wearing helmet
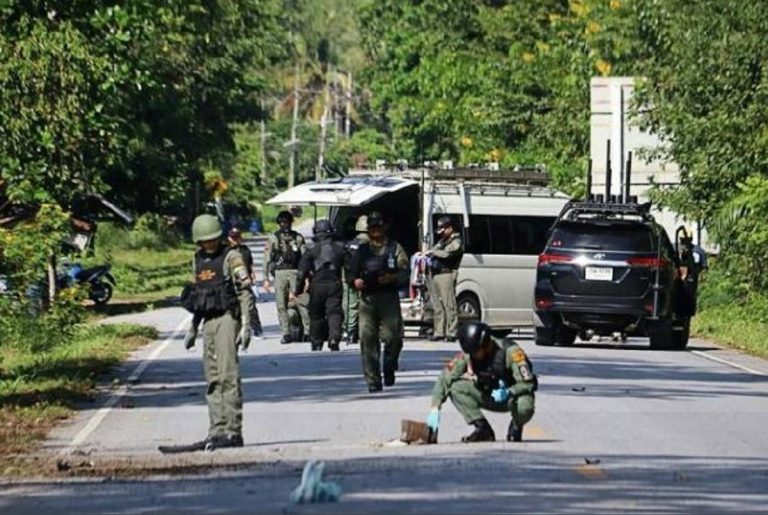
[[323, 265], [220, 298], [377, 271], [490, 373], [352, 296], [444, 259], [282, 255]]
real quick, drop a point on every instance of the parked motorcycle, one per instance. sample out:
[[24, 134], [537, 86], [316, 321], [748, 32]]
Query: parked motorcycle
[[100, 280]]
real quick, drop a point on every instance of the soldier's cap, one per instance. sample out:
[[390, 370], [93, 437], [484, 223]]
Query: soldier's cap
[[375, 220], [443, 222]]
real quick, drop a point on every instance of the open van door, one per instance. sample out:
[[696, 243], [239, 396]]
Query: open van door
[[349, 191]]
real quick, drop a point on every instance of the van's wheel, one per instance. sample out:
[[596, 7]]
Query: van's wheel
[[468, 308]]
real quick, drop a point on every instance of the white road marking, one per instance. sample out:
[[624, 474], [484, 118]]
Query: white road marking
[[729, 363], [98, 417]]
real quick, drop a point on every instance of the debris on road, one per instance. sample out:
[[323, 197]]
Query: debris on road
[[312, 488], [413, 432], [578, 389]]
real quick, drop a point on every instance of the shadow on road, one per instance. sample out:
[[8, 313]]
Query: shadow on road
[[492, 479]]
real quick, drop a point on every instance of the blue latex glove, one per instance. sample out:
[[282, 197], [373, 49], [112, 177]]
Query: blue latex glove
[[433, 420], [500, 394]]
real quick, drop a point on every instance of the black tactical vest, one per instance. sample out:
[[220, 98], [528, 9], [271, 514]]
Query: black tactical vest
[[328, 258], [448, 264], [372, 266], [491, 371], [287, 252], [212, 294]]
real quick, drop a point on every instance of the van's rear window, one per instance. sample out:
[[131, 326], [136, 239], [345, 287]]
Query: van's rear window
[[615, 237]]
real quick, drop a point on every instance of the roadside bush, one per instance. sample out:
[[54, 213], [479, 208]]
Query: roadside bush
[[151, 232]]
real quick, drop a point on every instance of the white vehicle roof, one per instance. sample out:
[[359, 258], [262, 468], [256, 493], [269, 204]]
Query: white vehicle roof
[[349, 191]]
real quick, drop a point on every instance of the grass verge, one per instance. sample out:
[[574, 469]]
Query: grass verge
[[38, 388], [734, 326], [151, 275], [730, 313]]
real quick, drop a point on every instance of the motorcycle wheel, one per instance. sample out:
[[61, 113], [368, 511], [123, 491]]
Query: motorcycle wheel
[[101, 293]]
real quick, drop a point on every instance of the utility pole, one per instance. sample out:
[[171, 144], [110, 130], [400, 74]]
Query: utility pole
[[263, 125], [323, 129], [294, 141], [348, 107]]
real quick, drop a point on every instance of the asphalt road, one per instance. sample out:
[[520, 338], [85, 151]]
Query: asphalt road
[[618, 427]]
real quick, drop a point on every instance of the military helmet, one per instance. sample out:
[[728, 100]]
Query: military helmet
[[284, 216], [362, 223], [322, 226], [472, 335], [206, 227], [375, 220]]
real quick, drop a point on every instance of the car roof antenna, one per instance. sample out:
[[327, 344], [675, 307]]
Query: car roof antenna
[[608, 172]]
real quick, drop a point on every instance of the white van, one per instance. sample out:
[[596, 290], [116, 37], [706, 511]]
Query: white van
[[503, 215]]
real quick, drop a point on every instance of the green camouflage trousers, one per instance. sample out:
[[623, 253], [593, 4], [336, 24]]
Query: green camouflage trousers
[[469, 401], [222, 373], [285, 282], [380, 321]]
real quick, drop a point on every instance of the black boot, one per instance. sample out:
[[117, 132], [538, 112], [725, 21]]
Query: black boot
[[389, 377], [333, 345], [286, 338], [209, 444], [514, 433], [317, 346], [483, 432]]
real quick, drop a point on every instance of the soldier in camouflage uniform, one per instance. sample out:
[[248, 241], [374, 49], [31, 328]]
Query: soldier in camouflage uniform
[[220, 297], [490, 374], [445, 258], [281, 258], [377, 271], [352, 296]]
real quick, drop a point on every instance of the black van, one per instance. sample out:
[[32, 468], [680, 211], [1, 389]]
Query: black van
[[609, 268]]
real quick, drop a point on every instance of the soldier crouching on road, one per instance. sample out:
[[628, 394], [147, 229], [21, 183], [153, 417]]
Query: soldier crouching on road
[[220, 297], [490, 374]]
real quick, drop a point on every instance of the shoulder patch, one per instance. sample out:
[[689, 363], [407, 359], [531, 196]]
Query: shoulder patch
[[518, 356]]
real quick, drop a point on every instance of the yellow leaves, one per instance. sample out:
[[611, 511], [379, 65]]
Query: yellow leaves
[[528, 57], [466, 141], [542, 47], [615, 4], [217, 185], [495, 155], [604, 67], [554, 18], [591, 28], [579, 8]]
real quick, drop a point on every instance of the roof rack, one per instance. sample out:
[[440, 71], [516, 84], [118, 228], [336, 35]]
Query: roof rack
[[533, 175], [591, 209]]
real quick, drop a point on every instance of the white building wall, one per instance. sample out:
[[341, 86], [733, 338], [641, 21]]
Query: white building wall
[[610, 102]]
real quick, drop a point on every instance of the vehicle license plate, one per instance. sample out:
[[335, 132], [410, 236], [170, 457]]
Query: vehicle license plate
[[598, 273]]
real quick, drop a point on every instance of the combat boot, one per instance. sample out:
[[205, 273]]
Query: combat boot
[[317, 346], [514, 433], [333, 345], [483, 432], [389, 377]]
